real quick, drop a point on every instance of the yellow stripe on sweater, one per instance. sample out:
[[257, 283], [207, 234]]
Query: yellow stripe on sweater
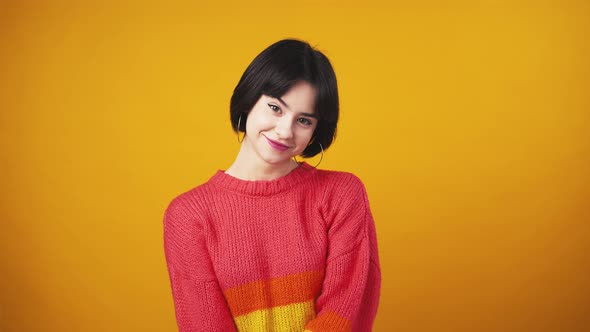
[[291, 317]]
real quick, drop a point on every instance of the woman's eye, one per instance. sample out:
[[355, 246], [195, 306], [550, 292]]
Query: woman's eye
[[305, 121], [275, 108]]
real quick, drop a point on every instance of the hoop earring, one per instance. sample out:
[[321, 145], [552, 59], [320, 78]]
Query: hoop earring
[[319, 162], [321, 157], [238, 133]]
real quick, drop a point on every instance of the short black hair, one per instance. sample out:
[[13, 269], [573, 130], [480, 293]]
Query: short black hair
[[278, 68]]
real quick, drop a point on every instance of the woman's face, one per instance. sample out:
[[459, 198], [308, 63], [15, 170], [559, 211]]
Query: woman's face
[[281, 128]]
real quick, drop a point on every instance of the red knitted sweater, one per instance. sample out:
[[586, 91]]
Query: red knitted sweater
[[297, 253]]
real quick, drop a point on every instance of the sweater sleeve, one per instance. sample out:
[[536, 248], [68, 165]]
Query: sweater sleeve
[[351, 287], [198, 301]]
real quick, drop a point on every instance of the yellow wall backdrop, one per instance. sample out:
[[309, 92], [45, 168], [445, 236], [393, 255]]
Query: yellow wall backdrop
[[469, 122]]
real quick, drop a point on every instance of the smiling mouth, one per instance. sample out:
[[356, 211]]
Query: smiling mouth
[[276, 145]]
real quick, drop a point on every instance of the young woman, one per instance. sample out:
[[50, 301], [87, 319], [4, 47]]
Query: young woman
[[272, 244]]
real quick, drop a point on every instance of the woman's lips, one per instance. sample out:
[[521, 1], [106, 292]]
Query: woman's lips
[[276, 145]]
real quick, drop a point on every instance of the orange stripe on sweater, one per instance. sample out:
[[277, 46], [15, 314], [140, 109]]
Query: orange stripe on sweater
[[273, 292], [329, 322]]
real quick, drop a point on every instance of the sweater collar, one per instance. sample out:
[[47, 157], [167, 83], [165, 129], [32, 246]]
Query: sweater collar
[[263, 187]]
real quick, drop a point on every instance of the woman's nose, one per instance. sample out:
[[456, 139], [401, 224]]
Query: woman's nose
[[283, 128]]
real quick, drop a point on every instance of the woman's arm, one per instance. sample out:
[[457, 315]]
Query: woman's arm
[[352, 282], [198, 301]]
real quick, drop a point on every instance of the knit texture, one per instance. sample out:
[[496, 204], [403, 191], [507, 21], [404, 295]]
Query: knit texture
[[298, 253]]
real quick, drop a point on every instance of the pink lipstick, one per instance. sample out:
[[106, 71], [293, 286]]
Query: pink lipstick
[[276, 145]]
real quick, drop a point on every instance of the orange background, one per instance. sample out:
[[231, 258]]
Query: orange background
[[468, 121]]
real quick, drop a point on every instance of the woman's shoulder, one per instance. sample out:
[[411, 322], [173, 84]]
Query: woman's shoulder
[[342, 181], [341, 185], [342, 192], [190, 201]]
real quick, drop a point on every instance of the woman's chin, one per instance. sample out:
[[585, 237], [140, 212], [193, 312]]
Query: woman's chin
[[278, 160]]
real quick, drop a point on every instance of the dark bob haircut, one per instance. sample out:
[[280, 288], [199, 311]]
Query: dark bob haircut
[[278, 68]]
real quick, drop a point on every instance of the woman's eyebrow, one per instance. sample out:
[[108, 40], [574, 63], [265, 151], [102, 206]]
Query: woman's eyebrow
[[311, 115]]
